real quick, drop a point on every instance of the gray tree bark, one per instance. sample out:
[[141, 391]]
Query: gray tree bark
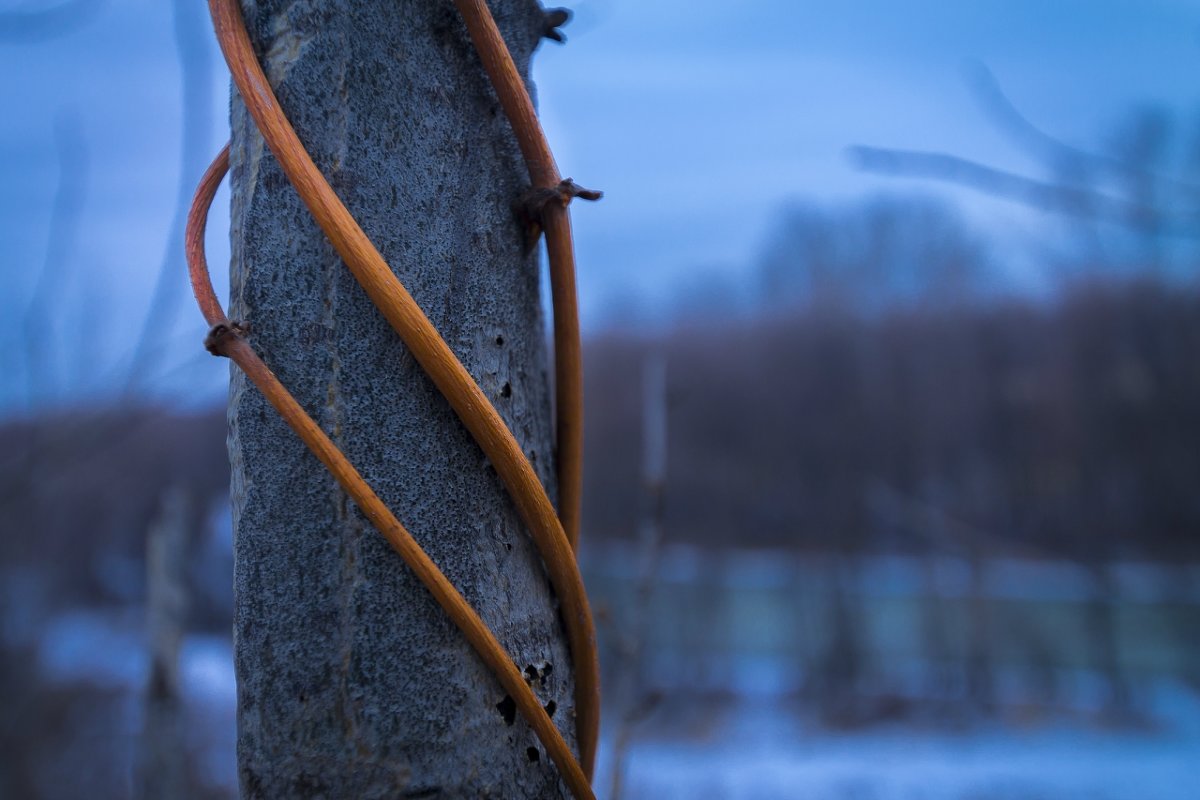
[[351, 681]]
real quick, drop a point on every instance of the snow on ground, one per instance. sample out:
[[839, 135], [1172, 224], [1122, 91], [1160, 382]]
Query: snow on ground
[[206, 664], [107, 649], [760, 750], [752, 744]]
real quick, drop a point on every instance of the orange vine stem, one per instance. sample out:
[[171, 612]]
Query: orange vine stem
[[435, 357], [543, 174], [226, 339], [193, 239]]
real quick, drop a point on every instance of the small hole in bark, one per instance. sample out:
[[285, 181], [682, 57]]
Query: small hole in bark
[[508, 709], [506, 390], [531, 673], [551, 707], [532, 754], [500, 341], [546, 670]]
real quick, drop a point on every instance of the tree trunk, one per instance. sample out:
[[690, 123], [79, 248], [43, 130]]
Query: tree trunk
[[351, 681]]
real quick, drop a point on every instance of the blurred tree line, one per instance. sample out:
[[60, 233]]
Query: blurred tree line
[[891, 382], [1060, 427]]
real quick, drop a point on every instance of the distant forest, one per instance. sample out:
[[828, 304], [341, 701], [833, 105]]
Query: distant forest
[[1064, 428], [878, 381]]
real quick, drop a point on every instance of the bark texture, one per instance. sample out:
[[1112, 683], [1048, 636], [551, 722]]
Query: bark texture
[[351, 681]]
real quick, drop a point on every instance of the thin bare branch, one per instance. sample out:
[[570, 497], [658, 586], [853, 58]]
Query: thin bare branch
[[195, 72], [1073, 201], [1049, 149], [638, 702], [44, 24], [56, 272]]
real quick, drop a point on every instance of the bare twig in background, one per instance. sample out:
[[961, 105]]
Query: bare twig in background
[[1125, 187], [1104, 640], [978, 671], [631, 691], [1072, 200], [45, 348], [195, 69], [41, 359], [1051, 150], [164, 761], [936, 528], [32, 26]]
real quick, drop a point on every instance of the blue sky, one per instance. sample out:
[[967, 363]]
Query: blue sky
[[698, 120]]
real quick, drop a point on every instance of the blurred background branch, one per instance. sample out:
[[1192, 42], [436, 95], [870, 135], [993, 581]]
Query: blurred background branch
[[35, 23], [45, 331], [195, 70]]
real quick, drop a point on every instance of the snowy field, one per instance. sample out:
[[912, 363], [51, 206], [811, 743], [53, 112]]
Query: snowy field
[[759, 751], [733, 728], [758, 747]]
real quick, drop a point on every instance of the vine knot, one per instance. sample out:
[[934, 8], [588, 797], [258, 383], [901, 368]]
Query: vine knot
[[532, 204], [553, 19], [220, 333]]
